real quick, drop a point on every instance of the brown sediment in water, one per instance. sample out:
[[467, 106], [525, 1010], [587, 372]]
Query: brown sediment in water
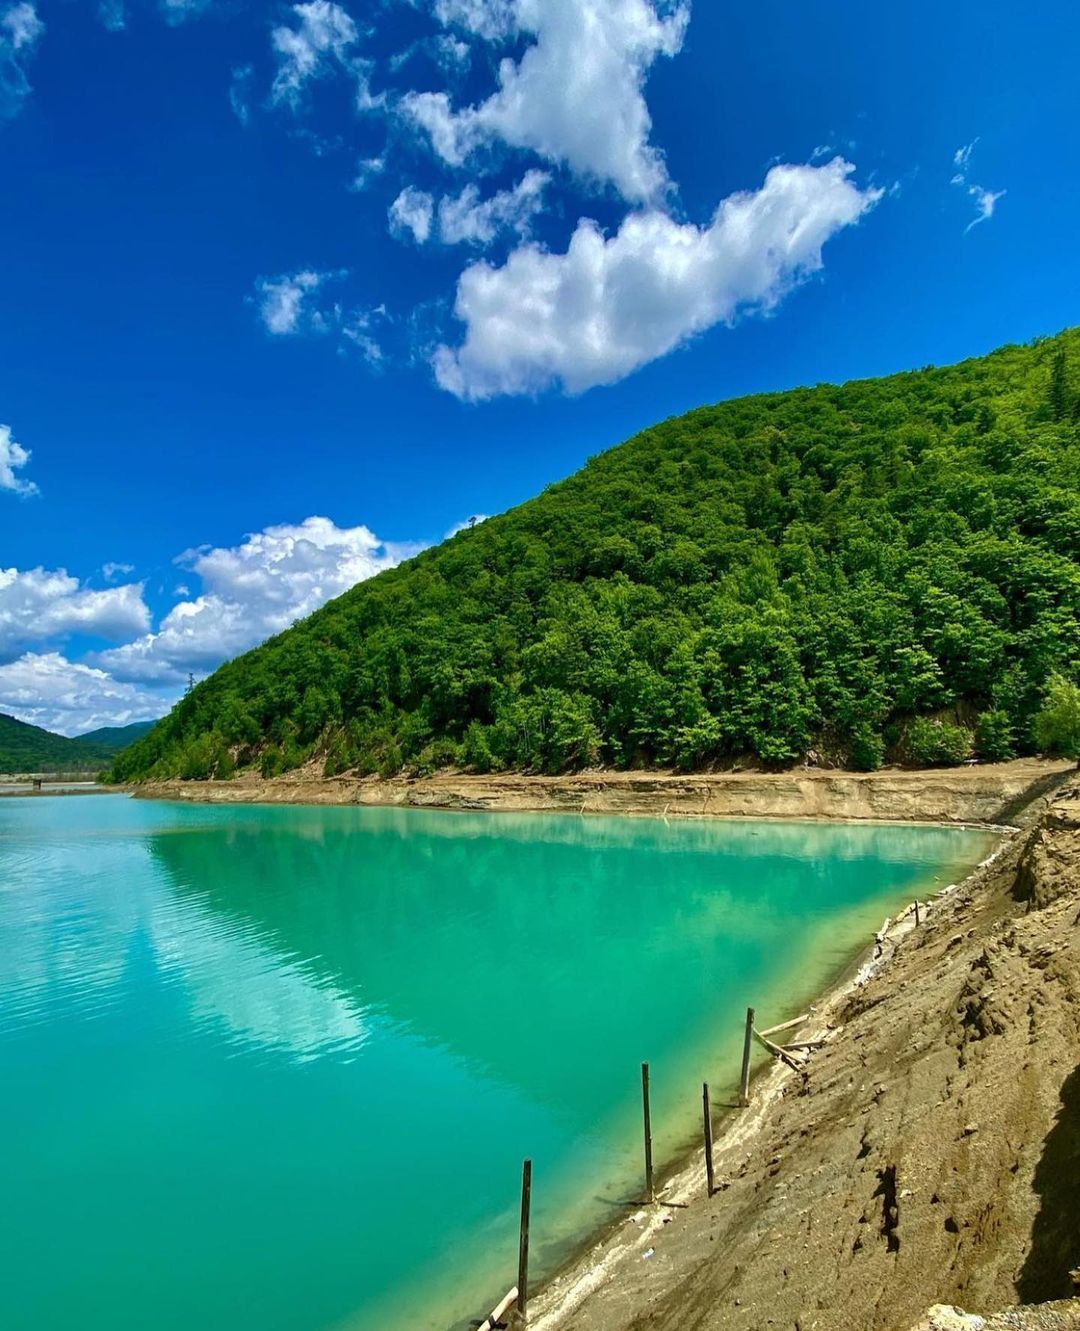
[[928, 1154], [987, 793]]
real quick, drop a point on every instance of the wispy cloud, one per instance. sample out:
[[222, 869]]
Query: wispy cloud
[[20, 32], [985, 199]]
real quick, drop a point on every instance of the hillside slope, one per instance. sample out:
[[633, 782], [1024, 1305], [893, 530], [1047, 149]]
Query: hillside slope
[[26, 748], [805, 570]]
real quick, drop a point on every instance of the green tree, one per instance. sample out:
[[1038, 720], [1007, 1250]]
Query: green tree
[[1057, 726], [1059, 386]]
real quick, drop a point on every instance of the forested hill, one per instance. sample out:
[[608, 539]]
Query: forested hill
[[26, 748], [809, 570]]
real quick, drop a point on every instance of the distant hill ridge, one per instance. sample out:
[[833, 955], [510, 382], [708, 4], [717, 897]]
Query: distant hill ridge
[[832, 569], [27, 748]]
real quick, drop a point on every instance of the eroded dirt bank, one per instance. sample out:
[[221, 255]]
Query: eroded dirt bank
[[990, 793], [929, 1153]]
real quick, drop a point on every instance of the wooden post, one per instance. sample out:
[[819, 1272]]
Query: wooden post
[[650, 1192], [523, 1242], [706, 1118], [744, 1083], [916, 912]]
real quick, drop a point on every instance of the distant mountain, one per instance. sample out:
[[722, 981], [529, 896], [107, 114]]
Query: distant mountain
[[115, 738], [26, 748]]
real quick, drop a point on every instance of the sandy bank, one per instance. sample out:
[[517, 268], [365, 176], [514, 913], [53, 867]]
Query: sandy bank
[[983, 794], [928, 1153]]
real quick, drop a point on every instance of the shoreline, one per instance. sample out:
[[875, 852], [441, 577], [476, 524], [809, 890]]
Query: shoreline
[[753, 1236], [681, 1181], [987, 794]]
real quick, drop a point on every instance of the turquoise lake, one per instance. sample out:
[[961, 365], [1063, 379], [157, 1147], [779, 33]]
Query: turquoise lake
[[275, 1069]]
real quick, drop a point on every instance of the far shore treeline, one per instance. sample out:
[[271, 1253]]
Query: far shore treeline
[[882, 570]]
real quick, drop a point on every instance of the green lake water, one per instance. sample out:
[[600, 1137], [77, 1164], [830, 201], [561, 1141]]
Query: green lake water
[[275, 1069]]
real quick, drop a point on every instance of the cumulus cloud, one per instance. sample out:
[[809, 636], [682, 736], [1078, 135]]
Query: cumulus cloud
[[13, 457], [321, 43], [985, 199], [576, 95], [46, 689], [250, 592], [111, 571], [611, 304], [20, 31], [41, 605]]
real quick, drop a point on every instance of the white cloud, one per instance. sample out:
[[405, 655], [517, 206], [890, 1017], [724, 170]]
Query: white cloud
[[609, 305], [576, 95], [13, 457], [250, 592], [283, 301], [985, 199], [321, 43], [20, 31], [41, 605], [468, 219], [985, 202], [288, 307], [411, 213], [46, 689], [490, 19], [111, 571], [962, 157], [367, 168]]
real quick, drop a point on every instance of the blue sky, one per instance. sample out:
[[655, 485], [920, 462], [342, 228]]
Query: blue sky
[[288, 291]]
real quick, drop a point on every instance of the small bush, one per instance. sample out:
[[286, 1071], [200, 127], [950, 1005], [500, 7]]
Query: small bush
[[995, 739], [937, 743], [476, 751], [867, 749], [270, 763]]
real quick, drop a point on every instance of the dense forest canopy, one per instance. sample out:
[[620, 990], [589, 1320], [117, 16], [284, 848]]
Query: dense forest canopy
[[888, 568], [26, 748]]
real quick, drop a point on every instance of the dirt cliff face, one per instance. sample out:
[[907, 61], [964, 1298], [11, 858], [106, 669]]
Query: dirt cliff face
[[930, 1153], [990, 793]]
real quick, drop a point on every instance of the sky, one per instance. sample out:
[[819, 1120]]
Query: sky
[[290, 291]]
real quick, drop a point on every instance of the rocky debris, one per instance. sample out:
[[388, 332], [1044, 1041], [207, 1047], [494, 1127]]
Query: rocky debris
[[1061, 1316]]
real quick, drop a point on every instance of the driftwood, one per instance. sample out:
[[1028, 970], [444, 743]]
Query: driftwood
[[494, 1318], [778, 1052], [786, 1025]]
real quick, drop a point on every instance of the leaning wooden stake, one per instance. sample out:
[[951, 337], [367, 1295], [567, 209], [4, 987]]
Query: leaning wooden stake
[[494, 1318], [650, 1191], [706, 1120], [744, 1083], [916, 914], [522, 1291]]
